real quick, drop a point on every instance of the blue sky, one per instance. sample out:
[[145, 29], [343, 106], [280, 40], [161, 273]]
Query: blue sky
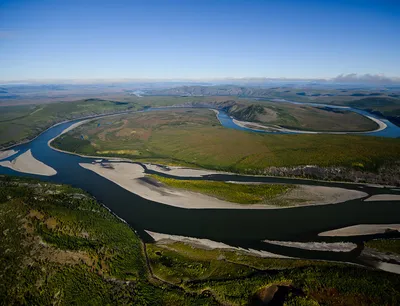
[[197, 39]]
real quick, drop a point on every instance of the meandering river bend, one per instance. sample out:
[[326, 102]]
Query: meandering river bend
[[242, 228]]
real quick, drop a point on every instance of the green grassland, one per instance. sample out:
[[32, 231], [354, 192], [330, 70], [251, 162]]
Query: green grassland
[[19, 123], [307, 282], [237, 193], [385, 245], [196, 138]]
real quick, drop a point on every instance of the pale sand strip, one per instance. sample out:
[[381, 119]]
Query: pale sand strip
[[317, 246], [181, 171], [311, 195], [208, 244], [361, 229], [130, 176], [388, 267], [26, 163], [7, 153], [384, 197]]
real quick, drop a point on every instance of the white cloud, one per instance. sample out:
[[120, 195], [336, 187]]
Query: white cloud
[[363, 78]]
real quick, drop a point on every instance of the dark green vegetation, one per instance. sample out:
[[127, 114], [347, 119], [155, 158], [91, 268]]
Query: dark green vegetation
[[237, 193], [195, 137], [301, 117], [385, 245], [236, 278], [21, 123], [388, 107], [59, 246]]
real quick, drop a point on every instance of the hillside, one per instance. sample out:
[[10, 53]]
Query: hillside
[[60, 247]]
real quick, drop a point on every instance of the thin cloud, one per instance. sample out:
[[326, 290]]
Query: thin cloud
[[362, 78]]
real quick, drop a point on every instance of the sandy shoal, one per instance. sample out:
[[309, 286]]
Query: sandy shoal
[[383, 197], [316, 246], [208, 244], [7, 153], [26, 163], [132, 178], [311, 195], [180, 171], [361, 229]]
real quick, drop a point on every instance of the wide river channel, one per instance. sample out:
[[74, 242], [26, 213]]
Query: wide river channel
[[236, 227]]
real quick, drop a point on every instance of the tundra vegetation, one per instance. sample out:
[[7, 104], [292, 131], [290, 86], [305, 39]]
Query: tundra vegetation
[[59, 246], [24, 122], [195, 138], [232, 192]]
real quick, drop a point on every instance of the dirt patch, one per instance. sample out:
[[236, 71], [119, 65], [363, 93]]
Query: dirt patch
[[36, 214], [51, 223], [275, 294]]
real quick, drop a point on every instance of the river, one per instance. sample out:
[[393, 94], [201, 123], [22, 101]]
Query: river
[[242, 228]]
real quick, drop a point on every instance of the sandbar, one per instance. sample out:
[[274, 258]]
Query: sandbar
[[180, 171], [360, 230], [26, 163], [383, 197], [7, 153], [317, 246], [131, 177], [208, 244]]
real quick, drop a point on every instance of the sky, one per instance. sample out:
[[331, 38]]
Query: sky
[[171, 39]]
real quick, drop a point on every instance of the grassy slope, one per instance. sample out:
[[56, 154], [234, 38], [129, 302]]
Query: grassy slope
[[87, 257], [237, 193], [311, 282], [195, 137], [59, 246], [24, 122]]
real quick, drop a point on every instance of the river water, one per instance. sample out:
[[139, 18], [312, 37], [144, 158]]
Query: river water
[[244, 228]]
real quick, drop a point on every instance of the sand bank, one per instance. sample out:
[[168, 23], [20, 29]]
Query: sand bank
[[7, 153], [361, 229], [310, 195], [317, 246], [180, 171], [132, 177], [26, 163], [388, 267], [384, 197], [208, 244]]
